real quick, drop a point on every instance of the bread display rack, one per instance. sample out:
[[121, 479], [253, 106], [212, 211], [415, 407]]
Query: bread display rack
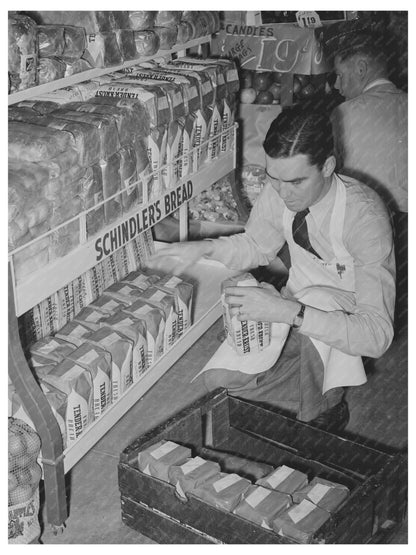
[[34, 288]]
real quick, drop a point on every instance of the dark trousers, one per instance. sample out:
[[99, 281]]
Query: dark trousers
[[400, 223], [293, 384]]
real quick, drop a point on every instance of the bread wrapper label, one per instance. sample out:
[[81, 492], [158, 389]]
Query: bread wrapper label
[[121, 349], [158, 458], [215, 127], [135, 329], [324, 493], [199, 136], [284, 479], [94, 283], [141, 280], [156, 152], [245, 336], [226, 482], [261, 505], [97, 361]]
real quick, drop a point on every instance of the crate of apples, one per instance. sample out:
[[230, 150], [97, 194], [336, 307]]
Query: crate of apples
[[260, 87], [24, 471]]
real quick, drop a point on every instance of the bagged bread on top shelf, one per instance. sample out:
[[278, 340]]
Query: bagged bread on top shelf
[[102, 50], [91, 21], [167, 36], [185, 32], [142, 20], [22, 52], [147, 42], [40, 107], [121, 19], [128, 177], [126, 44], [51, 40], [77, 66], [167, 19]]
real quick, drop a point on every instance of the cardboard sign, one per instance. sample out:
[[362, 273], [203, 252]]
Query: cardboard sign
[[277, 47]]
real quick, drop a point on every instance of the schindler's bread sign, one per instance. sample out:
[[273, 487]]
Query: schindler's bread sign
[[246, 336]]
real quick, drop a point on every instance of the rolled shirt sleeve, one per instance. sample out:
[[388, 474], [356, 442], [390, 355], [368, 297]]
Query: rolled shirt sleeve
[[262, 239]]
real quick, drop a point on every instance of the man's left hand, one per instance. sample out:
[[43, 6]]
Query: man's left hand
[[262, 303]]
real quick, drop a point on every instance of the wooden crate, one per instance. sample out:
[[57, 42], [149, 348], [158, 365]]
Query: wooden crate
[[377, 479]]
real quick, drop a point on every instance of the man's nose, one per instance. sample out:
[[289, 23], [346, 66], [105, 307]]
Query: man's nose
[[337, 84], [283, 190]]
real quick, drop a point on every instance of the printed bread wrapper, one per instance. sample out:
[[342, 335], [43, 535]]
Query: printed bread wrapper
[[323, 493], [165, 300], [97, 361], [151, 98], [125, 292], [49, 350], [76, 383], [134, 328], [183, 292], [246, 468], [122, 261], [215, 128], [245, 336], [110, 305], [141, 279], [156, 153], [191, 474], [199, 138], [184, 162], [153, 319], [111, 270], [300, 522], [170, 162], [66, 304], [121, 349], [79, 287], [91, 317], [205, 85], [261, 505], [128, 177], [157, 459], [94, 283], [223, 492], [226, 124], [284, 479], [74, 332]]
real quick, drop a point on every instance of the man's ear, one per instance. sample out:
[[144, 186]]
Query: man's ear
[[329, 166], [361, 67]]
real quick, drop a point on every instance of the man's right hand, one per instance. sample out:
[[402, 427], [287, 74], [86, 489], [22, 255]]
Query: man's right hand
[[177, 257]]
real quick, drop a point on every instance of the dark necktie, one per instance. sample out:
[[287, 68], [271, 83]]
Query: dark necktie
[[300, 231]]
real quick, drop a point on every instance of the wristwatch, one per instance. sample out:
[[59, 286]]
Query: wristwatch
[[297, 322]]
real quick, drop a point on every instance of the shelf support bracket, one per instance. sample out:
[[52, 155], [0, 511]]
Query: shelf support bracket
[[40, 412]]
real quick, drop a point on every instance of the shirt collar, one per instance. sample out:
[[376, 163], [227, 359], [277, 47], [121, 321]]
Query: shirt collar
[[375, 83], [321, 208]]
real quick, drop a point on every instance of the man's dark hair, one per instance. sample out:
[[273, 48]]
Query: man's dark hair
[[297, 130], [367, 43]]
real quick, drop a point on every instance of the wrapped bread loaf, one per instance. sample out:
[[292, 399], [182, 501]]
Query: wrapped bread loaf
[[91, 317], [167, 19], [77, 66], [142, 20], [284, 479], [261, 505], [164, 299], [106, 126], [189, 475], [300, 522], [135, 330], [22, 52], [34, 143], [147, 42], [102, 50], [223, 491], [157, 459], [51, 40], [324, 493], [167, 36], [91, 21], [153, 318], [49, 350], [126, 43]]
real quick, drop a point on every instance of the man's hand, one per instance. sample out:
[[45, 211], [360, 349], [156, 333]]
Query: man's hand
[[262, 303], [177, 257]]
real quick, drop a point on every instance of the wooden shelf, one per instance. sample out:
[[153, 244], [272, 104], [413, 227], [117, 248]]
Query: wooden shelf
[[207, 275], [32, 92]]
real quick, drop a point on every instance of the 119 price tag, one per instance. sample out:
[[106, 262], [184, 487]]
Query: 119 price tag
[[308, 19]]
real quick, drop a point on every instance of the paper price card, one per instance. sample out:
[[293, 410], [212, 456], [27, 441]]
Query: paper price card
[[308, 19]]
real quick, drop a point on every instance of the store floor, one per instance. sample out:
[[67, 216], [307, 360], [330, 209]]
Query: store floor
[[378, 412]]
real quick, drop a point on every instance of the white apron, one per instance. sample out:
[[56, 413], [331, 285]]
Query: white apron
[[324, 285], [327, 286]]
